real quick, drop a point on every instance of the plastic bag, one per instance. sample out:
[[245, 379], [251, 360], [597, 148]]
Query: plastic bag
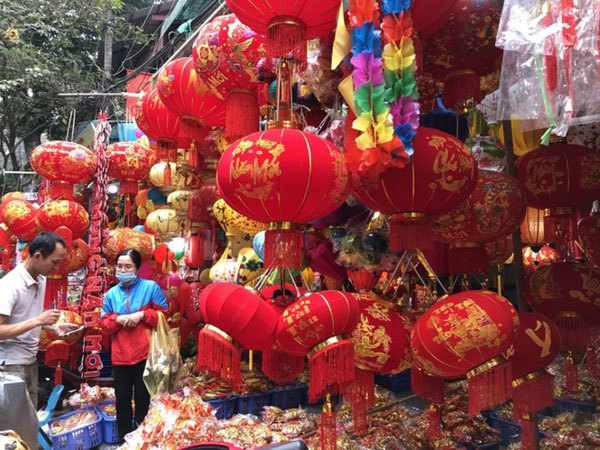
[[164, 364]]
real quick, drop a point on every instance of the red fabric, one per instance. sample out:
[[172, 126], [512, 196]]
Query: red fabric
[[462, 331], [156, 121], [322, 259], [588, 230], [135, 85], [429, 17]]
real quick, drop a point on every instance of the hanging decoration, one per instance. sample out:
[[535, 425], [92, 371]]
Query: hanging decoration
[[532, 227], [65, 217], [533, 260], [121, 239], [129, 163], [588, 232], [57, 283], [20, 217]]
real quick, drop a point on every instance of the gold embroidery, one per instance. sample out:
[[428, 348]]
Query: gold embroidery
[[543, 344]]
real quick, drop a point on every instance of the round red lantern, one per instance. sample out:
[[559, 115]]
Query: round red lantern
[[64, 217], [466, 333], [158, 123], [287, 25], [532, 260], [190, 295], [64, 164], [588, 232], [495, 208], [560, 178], [129, 162], [121, 239], [283, 177], [183, 93], [532, 227], [20, 218], [441, 174], [226, 54], [12, 196], [5, 246], [57, 283], [316, 325], [236, 318]]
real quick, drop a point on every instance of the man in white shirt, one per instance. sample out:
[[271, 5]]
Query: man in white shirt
[[22, 292]]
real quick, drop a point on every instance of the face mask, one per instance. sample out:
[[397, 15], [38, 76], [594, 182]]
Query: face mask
[[126, 278]]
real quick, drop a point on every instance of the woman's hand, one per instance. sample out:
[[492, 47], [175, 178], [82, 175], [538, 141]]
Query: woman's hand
[[135, 319]]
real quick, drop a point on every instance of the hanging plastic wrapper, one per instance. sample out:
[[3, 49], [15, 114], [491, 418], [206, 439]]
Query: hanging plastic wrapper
[[550, 77]]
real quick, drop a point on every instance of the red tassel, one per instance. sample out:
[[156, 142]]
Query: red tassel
[[286, 36], [574, 335], [191, 131], [460, 86], [280, 366], [61, 190], [283, 248], [467, 258], [435, 422], [166, 150], [241, 114], [591, 359], [127, 205], [127, 187], [550, 60], [533, 392], [219, 356], [489, 385], [56, 292], [410, 231], [529, 432], [429, 388], [559, 224], [571, 374], [330, 369], [57, 353]]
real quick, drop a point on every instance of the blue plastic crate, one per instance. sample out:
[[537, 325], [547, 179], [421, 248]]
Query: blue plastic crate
[[563, 405], [110, 430], [107, 368], [225, 408], [288, 398], [510, 432], [82, 438], [395, 383], [253, 403]]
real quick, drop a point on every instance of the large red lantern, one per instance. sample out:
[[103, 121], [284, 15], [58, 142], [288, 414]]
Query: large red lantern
[[441, 174], [226, 54], [121, 239], [20, 218], [283, 177], [560, 178], [495, 208], [158, 123], [64, 164], [57, 283], [129, 162], [316, 325], [287, 25], [536, 345], [428, 17], [236, 318], [182, 91], [465, 334], [533, 260], [64, 217], [588, 232]]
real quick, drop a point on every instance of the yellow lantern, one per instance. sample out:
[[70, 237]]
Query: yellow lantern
[[166, 222], [168, 176], [232, 221], [532, 227], [178, 201]]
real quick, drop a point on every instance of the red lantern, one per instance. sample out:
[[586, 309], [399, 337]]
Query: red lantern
[[64, 217], [440, 175], [57, 283], [588, 231], [226, 54], [533, 260], [560, 178], [282, 177], [5, 246], [64, 164], [535, 347], [316, 325], [200, 206], [159, 124], [129, 163], [495, 208], [499, 250], [532, 227], [194, 251], [466, 333], [428, 17], [165, 257], [121, 239], [20, 218], [362, 280], [190, 295], [57, 355], [236, 318], [287, 25]]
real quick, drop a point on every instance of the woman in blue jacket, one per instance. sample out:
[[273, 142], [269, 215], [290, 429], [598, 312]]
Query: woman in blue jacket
[[129, 313]]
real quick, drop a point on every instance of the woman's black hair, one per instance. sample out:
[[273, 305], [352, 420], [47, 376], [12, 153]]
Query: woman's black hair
[[134, 255]]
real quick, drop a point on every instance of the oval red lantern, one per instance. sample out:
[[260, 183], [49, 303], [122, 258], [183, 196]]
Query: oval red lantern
[[588, 231], [194, 251], [283, 177], [190, 296], [20, 217], [533, 260], [129, 162], [317, 325], [64, 217], [183, 93], [441, 174], [226, 54], [121, 239], [236, 318], [465, 334], [495, 208], [560, 178], [287, 25], [200, 205], [64, 164]]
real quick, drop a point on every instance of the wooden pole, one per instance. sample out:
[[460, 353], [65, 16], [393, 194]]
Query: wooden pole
[[516, 237]]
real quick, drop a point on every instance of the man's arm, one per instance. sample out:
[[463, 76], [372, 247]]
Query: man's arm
[[9, 331]]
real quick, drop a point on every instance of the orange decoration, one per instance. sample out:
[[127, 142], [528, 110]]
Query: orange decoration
[[5, 246]]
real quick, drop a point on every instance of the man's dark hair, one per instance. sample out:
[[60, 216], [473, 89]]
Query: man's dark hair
[[45, 243], [134, 255]]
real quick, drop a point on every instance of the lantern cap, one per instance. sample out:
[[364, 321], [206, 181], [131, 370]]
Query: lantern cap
[[530, 376], [488, 365], [326, 343]]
